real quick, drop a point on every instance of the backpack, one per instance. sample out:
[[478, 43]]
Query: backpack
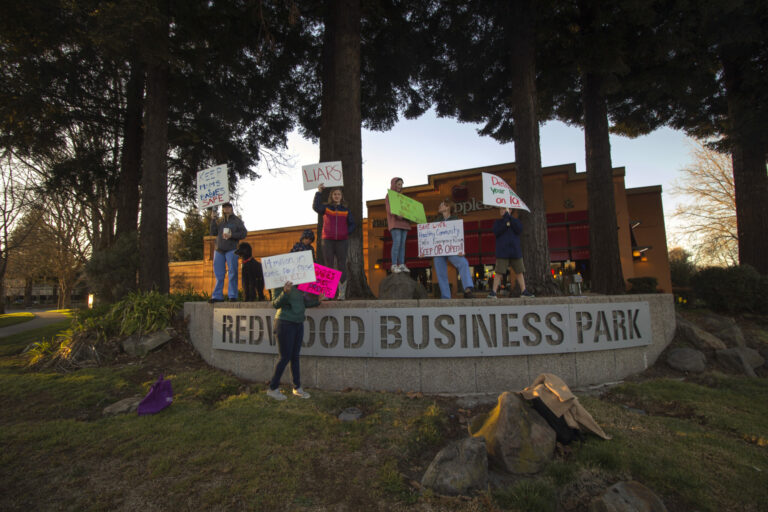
[[565, 434]]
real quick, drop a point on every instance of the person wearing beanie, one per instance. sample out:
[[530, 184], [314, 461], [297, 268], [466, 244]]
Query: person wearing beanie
[[398, 229], [305, 243], [337, 226], [228, 232]]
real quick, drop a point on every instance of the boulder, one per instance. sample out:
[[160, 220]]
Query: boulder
[[124, 406], [699, 338], [401, 286], [627, 497], [687, 360], [459, 468], [139, 346], [518, 439], [741, 359], [351, 414]]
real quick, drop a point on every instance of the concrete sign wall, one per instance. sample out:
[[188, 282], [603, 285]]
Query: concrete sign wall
[[432, 332]]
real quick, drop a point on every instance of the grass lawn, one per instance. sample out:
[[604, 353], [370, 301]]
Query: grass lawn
[[223, 445], [15, 318]]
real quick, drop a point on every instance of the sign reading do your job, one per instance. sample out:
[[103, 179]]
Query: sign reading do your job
[[444, 332]]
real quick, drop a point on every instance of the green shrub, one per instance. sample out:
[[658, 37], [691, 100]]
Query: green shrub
[[732, 290], [643, 284]]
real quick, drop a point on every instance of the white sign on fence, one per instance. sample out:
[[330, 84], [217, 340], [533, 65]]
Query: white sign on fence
[[444, 238], [327, 173], [444, 332], [212, 186], [496, 192], [296, 267]]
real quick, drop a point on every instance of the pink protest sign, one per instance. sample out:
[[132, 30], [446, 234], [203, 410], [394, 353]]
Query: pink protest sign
[[327, 280]]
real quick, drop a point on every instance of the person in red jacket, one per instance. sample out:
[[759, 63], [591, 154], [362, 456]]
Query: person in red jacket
[[337, 226], [398, 228]]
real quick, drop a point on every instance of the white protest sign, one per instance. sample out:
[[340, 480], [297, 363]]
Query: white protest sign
[[444, 238], [296, 267], [496, 192], [212, 186], [327, 173]]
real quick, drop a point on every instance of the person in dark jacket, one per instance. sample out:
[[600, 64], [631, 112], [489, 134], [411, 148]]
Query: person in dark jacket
[[507, 230], [337, 226], [228, 232], [290, 303], [305, 243], [253, 274]]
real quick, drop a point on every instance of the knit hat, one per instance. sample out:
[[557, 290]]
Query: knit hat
[[307, 233]]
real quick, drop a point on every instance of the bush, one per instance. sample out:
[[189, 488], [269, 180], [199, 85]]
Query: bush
[[732, 290], [643, 284]]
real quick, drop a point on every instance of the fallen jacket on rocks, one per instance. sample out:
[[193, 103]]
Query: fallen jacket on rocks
[[337, 220], [237, 232]]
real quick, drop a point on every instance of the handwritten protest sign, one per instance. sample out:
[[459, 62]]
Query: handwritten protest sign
[[327, 280], [327, 173], [444, 238], [212, 186], [296, 267], [496, 192], [406, 207]]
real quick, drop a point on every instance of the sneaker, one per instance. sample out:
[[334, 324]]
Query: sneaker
[[526, 293], [468, 293], [276, 394], [491, 294], [300, 393], [395, 269], [403, 268]]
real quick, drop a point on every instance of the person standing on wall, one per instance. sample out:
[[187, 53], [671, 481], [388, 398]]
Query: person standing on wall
[[228, 232], [507, 230], [337, 226], [457, 260], [398, 229]]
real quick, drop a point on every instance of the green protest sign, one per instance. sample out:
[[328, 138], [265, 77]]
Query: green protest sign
[[406, 207]]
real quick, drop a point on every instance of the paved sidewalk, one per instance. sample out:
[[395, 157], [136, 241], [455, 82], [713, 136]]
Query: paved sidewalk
[[42, 318]]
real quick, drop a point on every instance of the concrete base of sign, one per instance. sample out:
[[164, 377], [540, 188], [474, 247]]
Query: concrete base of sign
[[483, 374]]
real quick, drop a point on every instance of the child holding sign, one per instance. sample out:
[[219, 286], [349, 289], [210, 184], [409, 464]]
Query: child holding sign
[[508, 252], [290, 303], [458, 261], [337, 226], [398, 228]]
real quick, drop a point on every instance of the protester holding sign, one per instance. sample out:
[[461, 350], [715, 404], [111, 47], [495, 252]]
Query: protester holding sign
[[290, 303], [398, 228], [337, 226], [459, 262], [305, 243], [508, 252], [227, 232]]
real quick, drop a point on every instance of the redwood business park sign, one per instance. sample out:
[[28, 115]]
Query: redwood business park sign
[[444, 332]]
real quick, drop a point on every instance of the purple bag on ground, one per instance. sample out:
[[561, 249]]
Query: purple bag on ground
[[159, 397]]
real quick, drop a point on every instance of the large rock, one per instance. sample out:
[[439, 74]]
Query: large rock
[[724, 328], [124, 406], [741, 359], [518, 439], [687, 360], [401, 286], [627, 497], [459, 468], [699, 338], [141, 345]]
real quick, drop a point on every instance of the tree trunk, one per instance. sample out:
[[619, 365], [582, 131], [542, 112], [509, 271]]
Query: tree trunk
[[748, 153], [340, 129], [327, 122], [153, 233], [130, 160], [527, 149], [604, 257], [2, 293]]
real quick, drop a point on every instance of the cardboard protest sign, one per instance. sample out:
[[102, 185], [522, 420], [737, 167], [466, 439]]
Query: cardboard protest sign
[[212, 186], [444, 238], [296, 267], [496, 192], [327, 173], [406, 207], [327, 280]]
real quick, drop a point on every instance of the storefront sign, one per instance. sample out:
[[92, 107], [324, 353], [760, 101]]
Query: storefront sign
[[296, 267], [325, 173], [326, 282], [406, 207], [212, 186], [444, 238], [444, 332], [496, 192]]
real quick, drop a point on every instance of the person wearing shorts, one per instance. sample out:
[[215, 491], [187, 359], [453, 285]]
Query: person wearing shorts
[[509, 255]]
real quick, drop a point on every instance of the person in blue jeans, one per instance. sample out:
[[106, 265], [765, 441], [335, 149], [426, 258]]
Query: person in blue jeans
[[228, 232], [291, 303], [458, 261]]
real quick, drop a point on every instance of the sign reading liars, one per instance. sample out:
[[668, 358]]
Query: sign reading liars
[[445, 331]]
